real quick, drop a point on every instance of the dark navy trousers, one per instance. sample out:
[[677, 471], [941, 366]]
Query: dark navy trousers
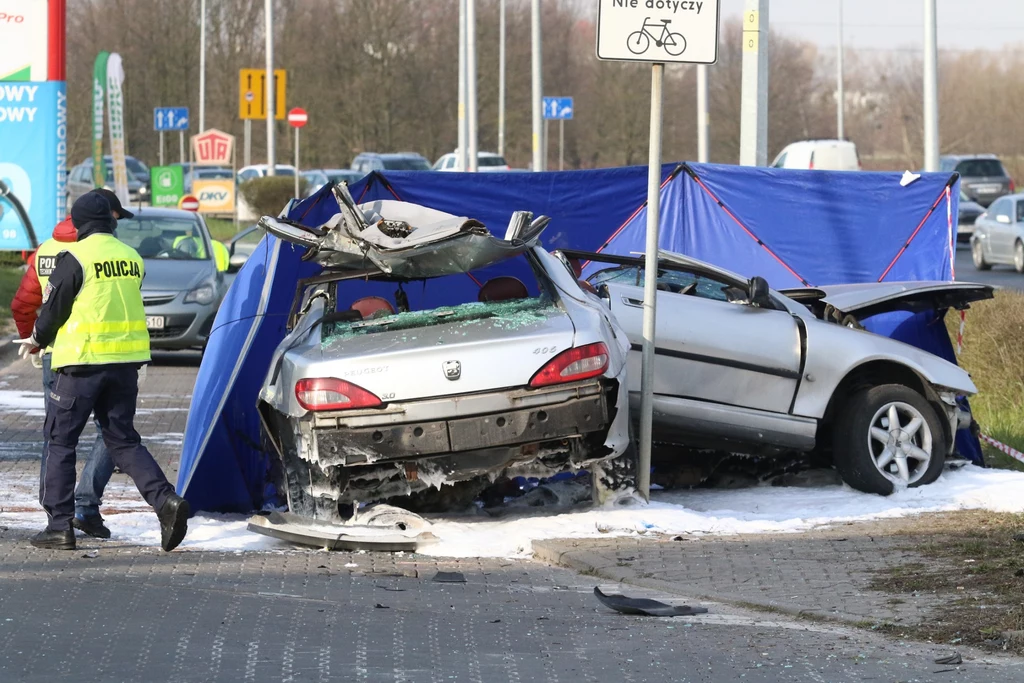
[[110, 392]]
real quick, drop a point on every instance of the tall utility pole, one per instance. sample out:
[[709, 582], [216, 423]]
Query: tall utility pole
[[702, 114], [840, 94], [754, 107], [268, 9], [461, 154], [931, 88], [537, 93], [501, 78], [471, 83], [202, 66]]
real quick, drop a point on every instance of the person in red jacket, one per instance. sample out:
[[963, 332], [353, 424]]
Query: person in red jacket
[[24, 308]]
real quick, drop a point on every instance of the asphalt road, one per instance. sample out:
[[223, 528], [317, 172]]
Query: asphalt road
[[1000, 276]]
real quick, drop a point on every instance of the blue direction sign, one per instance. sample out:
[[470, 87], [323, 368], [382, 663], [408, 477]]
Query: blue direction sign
[[557, 107], [170, 118]]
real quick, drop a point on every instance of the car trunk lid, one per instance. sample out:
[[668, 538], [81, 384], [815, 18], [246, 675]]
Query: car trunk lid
[[463, 349], [868, 299]]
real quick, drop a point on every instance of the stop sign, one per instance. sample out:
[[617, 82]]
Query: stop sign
[[297, 117], [189, 203]]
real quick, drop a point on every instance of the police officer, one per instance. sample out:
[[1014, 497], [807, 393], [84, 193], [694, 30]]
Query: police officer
[[93, 317]]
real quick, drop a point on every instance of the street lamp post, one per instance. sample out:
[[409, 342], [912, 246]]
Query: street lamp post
[[471, 119], [931, 88], [501, 78], [840, 94], [271, 106], [539, 162], [202, 67], [461, 152]]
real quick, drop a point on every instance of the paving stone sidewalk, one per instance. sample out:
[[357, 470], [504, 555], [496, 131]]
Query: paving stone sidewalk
[[822, 573]]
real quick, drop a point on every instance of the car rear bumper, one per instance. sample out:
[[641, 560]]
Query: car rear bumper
[[515, 418]]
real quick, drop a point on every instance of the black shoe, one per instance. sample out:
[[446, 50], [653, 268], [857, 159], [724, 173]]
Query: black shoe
[[173, 516], [51, 539], [91, 525]]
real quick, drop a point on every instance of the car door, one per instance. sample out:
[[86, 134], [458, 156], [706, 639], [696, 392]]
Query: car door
[[709, 345], [999, 230]]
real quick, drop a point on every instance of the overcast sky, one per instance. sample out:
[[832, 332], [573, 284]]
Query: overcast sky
[[896, 24]]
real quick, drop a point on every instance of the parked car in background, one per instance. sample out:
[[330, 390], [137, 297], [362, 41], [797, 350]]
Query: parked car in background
[[983, 177], [968, 213], [317, 178], [183, 288], [485, 162], [746, 369], [379, 393], [206, 173], [398, 161], [260, 171], [80, 179], [999, 234], [821, 155]]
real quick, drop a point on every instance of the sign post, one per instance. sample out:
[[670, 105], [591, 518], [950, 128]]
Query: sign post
[[297, 118], [560, 109], [170, 118], [631, 30]]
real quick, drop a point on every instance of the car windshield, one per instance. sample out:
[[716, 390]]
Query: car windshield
[[675, 281], [405, 164], [214, 173], [973, 168], [491, 161], [161, 237], [284, 170]]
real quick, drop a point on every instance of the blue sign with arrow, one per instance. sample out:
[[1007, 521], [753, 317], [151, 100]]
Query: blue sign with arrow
[[170, 118], [557, 107]]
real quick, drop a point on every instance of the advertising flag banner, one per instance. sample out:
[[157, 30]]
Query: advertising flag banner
[[168, 183], [99, 89], [33, 148], [118, 144]]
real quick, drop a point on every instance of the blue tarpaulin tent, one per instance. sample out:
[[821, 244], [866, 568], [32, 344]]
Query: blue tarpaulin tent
[[795, 228]]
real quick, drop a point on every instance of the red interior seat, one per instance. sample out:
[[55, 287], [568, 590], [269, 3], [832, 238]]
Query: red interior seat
[[369, 306], [503, 288]]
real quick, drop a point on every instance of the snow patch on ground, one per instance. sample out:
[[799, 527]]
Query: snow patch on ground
[[763, 509], [25, 402]]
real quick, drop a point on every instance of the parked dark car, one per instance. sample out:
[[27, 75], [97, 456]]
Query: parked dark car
[[968, 213], [80, 179], [982, 176]]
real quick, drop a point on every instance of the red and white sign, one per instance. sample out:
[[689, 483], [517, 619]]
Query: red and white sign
[[213, 148], [189, 203], [297, 117]]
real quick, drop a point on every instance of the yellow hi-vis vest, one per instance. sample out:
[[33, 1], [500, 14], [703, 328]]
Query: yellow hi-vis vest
[[46, 259], [107, 322]]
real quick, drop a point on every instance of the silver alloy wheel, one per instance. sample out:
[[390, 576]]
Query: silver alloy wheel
[[900, 442], [977, 255]]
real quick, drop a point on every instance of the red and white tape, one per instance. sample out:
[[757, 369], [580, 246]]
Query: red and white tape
[[1010, 451]]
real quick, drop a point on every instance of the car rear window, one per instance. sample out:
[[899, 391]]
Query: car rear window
[[491, 161], [980, 167], [405, 164]]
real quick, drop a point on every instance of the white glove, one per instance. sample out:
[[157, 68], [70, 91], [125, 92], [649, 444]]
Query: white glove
[[29, 345], [37, 360], [142, 375]]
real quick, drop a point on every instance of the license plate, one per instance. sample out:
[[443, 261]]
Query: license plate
[[990, 189], [155, 322]]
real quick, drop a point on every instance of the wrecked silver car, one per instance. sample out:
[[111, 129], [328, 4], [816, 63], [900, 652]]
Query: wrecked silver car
[[432, 358], [741, 368]]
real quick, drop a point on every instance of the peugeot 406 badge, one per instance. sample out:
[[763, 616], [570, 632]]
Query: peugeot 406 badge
[[452, 369]]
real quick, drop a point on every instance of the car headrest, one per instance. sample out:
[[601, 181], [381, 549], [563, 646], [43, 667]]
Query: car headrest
[[371, 306], [503, 288]]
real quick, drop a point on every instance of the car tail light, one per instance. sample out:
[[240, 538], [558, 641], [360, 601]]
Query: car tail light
[[328, 393], [581, 362]]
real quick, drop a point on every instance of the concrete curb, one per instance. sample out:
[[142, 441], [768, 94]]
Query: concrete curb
[[562, 553]]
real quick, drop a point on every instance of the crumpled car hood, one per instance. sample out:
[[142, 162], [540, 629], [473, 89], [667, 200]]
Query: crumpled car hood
[[405, 240], [867, 299]]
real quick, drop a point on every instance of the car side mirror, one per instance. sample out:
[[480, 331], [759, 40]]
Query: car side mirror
[[236, 262], [758, 292]]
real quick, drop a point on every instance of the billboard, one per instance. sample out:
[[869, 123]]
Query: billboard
[[33, 154], [216, 195], [24, 31]]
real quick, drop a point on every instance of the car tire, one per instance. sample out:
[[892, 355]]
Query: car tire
[[978, 256], [870, 464], [1018, 256]]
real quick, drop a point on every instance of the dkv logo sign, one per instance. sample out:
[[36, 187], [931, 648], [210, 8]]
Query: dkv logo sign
[[214, 196]]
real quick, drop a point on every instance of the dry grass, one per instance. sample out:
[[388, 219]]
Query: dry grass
[[974, 561], [994, 355]]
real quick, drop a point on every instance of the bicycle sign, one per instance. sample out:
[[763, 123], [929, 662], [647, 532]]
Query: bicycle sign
[[658, 30]]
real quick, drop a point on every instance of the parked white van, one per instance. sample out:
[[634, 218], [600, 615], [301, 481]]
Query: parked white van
[[821, 155]]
